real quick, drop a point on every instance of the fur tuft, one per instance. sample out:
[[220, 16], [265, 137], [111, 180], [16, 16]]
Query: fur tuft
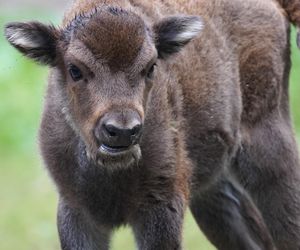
[[192, 29]]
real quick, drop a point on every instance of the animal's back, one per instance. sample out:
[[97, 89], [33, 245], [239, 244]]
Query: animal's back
[[248, 37]]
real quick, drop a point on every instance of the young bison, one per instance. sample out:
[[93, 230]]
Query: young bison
[[127, 126]]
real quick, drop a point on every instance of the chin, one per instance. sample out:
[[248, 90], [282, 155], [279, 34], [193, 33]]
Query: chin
[[118, 158]]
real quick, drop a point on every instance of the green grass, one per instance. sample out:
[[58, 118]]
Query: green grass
[[27, 196], [295, 84]]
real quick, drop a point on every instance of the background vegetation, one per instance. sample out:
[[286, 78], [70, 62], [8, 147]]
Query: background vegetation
[[27, 196]]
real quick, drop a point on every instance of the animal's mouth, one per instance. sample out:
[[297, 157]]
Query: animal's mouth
[[108, 150], [118, 157]]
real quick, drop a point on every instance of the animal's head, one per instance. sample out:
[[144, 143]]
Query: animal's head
[[106, 62]]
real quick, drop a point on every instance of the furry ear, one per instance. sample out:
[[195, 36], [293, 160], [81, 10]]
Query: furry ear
[[35, 40], [173, 33]]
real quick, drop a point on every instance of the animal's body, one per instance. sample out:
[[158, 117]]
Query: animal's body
[[215, 121]]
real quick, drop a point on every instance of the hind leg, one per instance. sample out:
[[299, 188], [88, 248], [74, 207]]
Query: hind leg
[[229, 219], [222, 209], [267, 164], [280, 206], [278, 199], [268, 167]]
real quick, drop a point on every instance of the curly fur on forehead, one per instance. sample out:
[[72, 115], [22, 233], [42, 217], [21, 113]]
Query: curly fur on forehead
[[111, 33]]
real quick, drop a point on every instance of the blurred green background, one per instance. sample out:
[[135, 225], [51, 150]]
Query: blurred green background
[[27, 197]]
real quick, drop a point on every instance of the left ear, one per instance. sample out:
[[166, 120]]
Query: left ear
[[173, 33], [35, 40]]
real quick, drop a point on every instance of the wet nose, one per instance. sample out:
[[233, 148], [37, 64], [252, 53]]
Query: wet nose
[[121, 136], [119, 129]]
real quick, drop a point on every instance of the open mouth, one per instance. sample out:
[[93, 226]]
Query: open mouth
[[113, 150]]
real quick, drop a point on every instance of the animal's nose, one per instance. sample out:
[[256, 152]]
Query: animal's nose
[[121, 136], [119, 129]]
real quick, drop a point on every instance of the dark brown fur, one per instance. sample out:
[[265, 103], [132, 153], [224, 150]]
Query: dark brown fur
[[119, 47], [292, 8], [217, 127]]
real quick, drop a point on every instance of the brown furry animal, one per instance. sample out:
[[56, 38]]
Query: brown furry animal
[[127, 125]]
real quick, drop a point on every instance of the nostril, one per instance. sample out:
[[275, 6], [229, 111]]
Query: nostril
[[111, 130], [112, 133], [136, 130]]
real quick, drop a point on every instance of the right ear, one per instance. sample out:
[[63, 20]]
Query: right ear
[[174, 32], [35, 40]]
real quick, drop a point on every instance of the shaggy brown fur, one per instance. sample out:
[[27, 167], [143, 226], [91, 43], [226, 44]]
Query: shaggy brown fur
[[216, 122]]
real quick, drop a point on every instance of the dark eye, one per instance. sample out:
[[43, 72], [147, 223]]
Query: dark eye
[[151, 71], [75, 73]]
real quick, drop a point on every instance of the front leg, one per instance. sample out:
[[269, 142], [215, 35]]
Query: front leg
[[229, 218], [159, 227], [78, 232]]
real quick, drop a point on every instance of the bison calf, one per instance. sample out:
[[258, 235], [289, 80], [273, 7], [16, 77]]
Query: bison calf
[[129, 129]]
